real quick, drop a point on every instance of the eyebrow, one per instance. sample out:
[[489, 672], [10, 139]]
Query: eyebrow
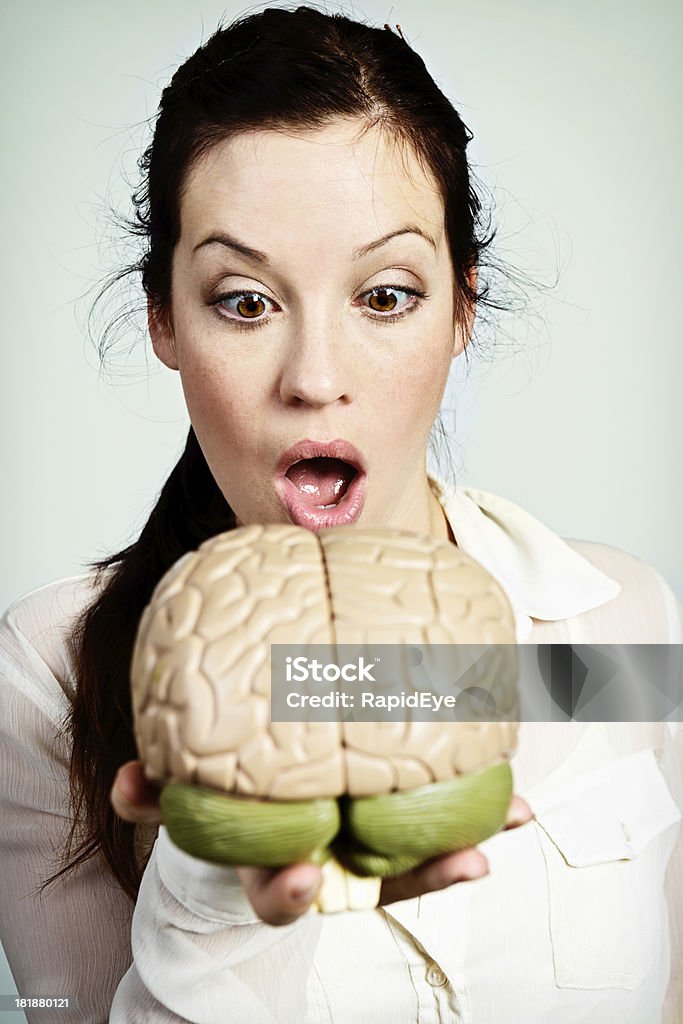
[[256, 256]]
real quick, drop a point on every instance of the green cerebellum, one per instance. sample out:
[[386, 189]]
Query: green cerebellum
[[237, 830], [380, 835], [387, 835]]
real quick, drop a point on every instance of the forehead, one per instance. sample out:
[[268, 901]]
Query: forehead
[[339, 182]]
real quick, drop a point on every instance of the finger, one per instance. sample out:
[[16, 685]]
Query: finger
[[280, 897], [462, 866], [518, 813], [134, 797]]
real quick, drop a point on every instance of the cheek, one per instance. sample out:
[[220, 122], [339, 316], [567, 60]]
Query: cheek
[[222, 410], [415, 381], [215, 386]]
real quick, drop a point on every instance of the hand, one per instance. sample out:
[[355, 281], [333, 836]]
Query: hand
[[134, 797], [280, 897], [462, 866]]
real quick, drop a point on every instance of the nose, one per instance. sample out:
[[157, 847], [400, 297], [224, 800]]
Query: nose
[[316, 369]]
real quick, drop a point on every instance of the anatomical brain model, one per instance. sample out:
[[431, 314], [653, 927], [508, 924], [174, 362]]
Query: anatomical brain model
[[377, 798]]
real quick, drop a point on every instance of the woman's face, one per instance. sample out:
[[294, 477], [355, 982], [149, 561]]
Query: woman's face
[[312, 300]]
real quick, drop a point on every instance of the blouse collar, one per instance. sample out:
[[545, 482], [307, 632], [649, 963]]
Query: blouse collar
[[543, 577]]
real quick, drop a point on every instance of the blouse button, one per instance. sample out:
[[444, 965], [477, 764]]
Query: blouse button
[[435, 976]]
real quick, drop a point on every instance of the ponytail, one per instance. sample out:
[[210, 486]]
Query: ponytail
[[190, 509]]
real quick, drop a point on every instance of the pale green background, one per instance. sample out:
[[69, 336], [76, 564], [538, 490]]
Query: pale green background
[[576, 114]]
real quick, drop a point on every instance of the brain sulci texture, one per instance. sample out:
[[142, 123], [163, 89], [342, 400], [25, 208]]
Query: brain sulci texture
[[200, 672]]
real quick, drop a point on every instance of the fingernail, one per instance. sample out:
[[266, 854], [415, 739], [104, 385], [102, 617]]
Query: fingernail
[[478, 872], [304, 894], [126, 789], [121, 797]]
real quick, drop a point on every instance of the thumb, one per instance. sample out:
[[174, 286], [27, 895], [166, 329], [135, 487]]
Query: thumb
[[133, 796], [519, 813]]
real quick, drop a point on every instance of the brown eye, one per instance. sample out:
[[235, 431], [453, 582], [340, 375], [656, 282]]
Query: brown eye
[[382, 300], [250, 306]]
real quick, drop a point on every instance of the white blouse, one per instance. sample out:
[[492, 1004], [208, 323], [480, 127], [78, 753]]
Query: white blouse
[[581, 916]]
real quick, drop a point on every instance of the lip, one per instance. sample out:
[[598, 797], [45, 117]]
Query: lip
[[349, 507]]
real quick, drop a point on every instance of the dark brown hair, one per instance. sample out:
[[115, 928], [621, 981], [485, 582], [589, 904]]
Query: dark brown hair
[[280, 67]]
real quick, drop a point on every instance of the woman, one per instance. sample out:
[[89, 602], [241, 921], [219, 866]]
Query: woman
[[313, 244]]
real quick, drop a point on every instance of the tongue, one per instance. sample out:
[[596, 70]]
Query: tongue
[[321, 481]]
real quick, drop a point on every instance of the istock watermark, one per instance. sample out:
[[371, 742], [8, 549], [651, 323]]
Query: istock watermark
[[476, 682], [301, 669]]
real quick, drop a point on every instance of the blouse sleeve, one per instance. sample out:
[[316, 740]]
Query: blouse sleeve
[[673, 1004], [646, 611], [197, 946], [73, 940], [200, 950]]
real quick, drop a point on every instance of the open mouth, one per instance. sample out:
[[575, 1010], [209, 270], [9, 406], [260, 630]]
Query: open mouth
[[322, 482]]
